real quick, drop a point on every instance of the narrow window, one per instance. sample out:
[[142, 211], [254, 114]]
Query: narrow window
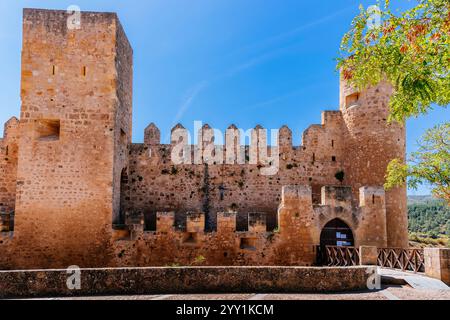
[[53, 70], [248, 244], [124, 176], [333, 158], [123, 136], [222, 192], [190, 238], [6, 150], [352, 100], [47, 130], [84, 71], [373, 199], [314, 157]]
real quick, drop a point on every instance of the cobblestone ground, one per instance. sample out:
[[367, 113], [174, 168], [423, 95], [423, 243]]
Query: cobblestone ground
[[387, 293]]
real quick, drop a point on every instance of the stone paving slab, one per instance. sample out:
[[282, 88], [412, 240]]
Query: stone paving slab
[[415, 280], [387, 293]]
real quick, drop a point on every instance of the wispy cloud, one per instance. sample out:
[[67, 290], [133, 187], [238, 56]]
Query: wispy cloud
[[279, 98], [274, 100], [257, 60], [188, 99], [290, 33]]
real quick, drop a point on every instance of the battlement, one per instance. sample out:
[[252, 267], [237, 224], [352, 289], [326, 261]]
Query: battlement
[[322, 142], [10, 128], [152, 134], [334, 198], [299, 219], [56, 20]]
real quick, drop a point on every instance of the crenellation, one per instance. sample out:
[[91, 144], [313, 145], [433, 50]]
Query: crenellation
[[195, 222], [177, 133], [257, 222], [372, 196], [233, 151], [152, 135], [11, 129], [226, 222], [332, 118], [165, 221], [337, 197], [285, 138]]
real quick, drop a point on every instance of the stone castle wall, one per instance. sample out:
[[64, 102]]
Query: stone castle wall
[[293, 243], [82, 193], [156, 184], [8, 165]]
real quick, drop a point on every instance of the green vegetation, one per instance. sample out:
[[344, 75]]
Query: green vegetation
[[429, 222], [430, 164]]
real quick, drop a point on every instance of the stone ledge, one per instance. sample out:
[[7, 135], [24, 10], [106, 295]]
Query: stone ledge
[[140, 281]]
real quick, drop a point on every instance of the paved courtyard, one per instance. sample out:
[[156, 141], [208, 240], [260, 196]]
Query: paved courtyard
[[404, 292]]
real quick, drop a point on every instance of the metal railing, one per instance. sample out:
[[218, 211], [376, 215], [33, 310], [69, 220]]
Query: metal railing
[[403, 259]]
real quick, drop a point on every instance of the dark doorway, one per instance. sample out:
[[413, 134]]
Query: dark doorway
[[336, 233]]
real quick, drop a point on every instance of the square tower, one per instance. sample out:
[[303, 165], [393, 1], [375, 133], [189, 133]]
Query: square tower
[[75, 130]]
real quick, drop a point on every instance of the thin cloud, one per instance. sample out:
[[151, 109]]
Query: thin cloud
[[188, 99], [261, 59], [280, 97], [291, 33]]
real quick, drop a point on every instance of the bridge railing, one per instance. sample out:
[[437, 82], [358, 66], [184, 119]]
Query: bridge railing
[[402, 259], [341, 256], [433, 262]]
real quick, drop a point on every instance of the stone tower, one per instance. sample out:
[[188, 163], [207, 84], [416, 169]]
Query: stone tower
[[371, 144], [75, 130]]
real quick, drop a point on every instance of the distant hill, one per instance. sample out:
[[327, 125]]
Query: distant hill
[[429, 220], [420, 199]]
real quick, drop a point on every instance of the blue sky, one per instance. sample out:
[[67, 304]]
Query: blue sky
[[248, 62]]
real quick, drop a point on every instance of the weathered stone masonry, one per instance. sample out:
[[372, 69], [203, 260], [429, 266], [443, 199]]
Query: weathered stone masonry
[[74, 190]]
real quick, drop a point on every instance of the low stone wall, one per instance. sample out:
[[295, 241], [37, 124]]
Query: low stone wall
[[437, 264], [135, 281]]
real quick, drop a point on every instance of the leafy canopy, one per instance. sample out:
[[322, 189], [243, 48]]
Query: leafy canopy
[[409, 49], [430, 164]]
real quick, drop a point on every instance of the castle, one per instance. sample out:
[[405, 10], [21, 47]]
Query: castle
[[75, 190]]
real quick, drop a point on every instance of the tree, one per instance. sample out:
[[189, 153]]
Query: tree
[[429, 164], [411, 50]]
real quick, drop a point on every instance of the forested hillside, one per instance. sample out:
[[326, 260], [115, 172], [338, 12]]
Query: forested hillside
[[429, 221]]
